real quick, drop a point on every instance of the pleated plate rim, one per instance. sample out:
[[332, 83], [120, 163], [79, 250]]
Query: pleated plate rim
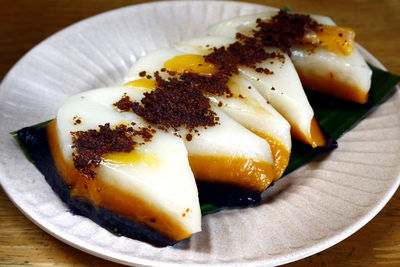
[[119, 257]]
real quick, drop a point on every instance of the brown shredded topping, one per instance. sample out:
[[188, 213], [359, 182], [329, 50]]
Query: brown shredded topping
[[89, 146], [124, 104], [283, 30], [247, 52], [77, 120], [175, 102]]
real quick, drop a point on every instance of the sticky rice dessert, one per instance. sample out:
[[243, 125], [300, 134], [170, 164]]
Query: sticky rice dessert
[[324, 54], [222, 156], [243, 103], [275, 77], [214, 116], [119, 164]]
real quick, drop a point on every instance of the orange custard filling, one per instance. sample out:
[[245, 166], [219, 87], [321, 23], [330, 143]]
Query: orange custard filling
[[190, 63], [110, 197], [146, 85], [329, 84], [316, 137], [280, 153], [339, 40], [246, 173]]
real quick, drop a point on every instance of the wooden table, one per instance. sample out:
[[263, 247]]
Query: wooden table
[[24, 23]]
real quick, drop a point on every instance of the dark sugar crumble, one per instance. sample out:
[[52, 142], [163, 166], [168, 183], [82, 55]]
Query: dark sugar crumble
[[174, 103], [124, 104], [89, 146], [246, 51], [284, 29], [215, 84], [77, 120]]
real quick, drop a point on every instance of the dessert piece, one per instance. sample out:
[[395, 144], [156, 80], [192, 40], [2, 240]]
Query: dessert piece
[[324, 54], [113, 154], [231, 165], [250, 109], [243, 103], [120, 165], [226, 155], [272, 73]]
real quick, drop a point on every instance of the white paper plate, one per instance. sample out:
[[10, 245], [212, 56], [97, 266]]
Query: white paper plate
[[308, 211]]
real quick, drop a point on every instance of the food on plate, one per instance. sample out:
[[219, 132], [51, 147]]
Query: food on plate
[[223, 155], [210, 119], [116, 162], [272, 73], [241, 102], [325, 55]]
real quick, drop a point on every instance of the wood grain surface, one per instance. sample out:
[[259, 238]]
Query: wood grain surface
[[24, 23]]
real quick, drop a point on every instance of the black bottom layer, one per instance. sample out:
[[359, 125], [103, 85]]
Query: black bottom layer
[[227, 195], [34, 139]]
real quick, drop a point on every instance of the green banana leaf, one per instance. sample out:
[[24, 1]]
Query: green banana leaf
[[335, 117]]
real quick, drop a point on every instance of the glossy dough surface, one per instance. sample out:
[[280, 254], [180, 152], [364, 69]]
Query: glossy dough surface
[[157, 173], [346, 77]]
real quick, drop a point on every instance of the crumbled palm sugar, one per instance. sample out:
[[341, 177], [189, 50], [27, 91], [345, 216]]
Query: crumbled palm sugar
[[175, 102], [247, 52], [89, 146], [77, 120], [264, 70], [283, 30], [145, 133], [215, 84], [124, 104]]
